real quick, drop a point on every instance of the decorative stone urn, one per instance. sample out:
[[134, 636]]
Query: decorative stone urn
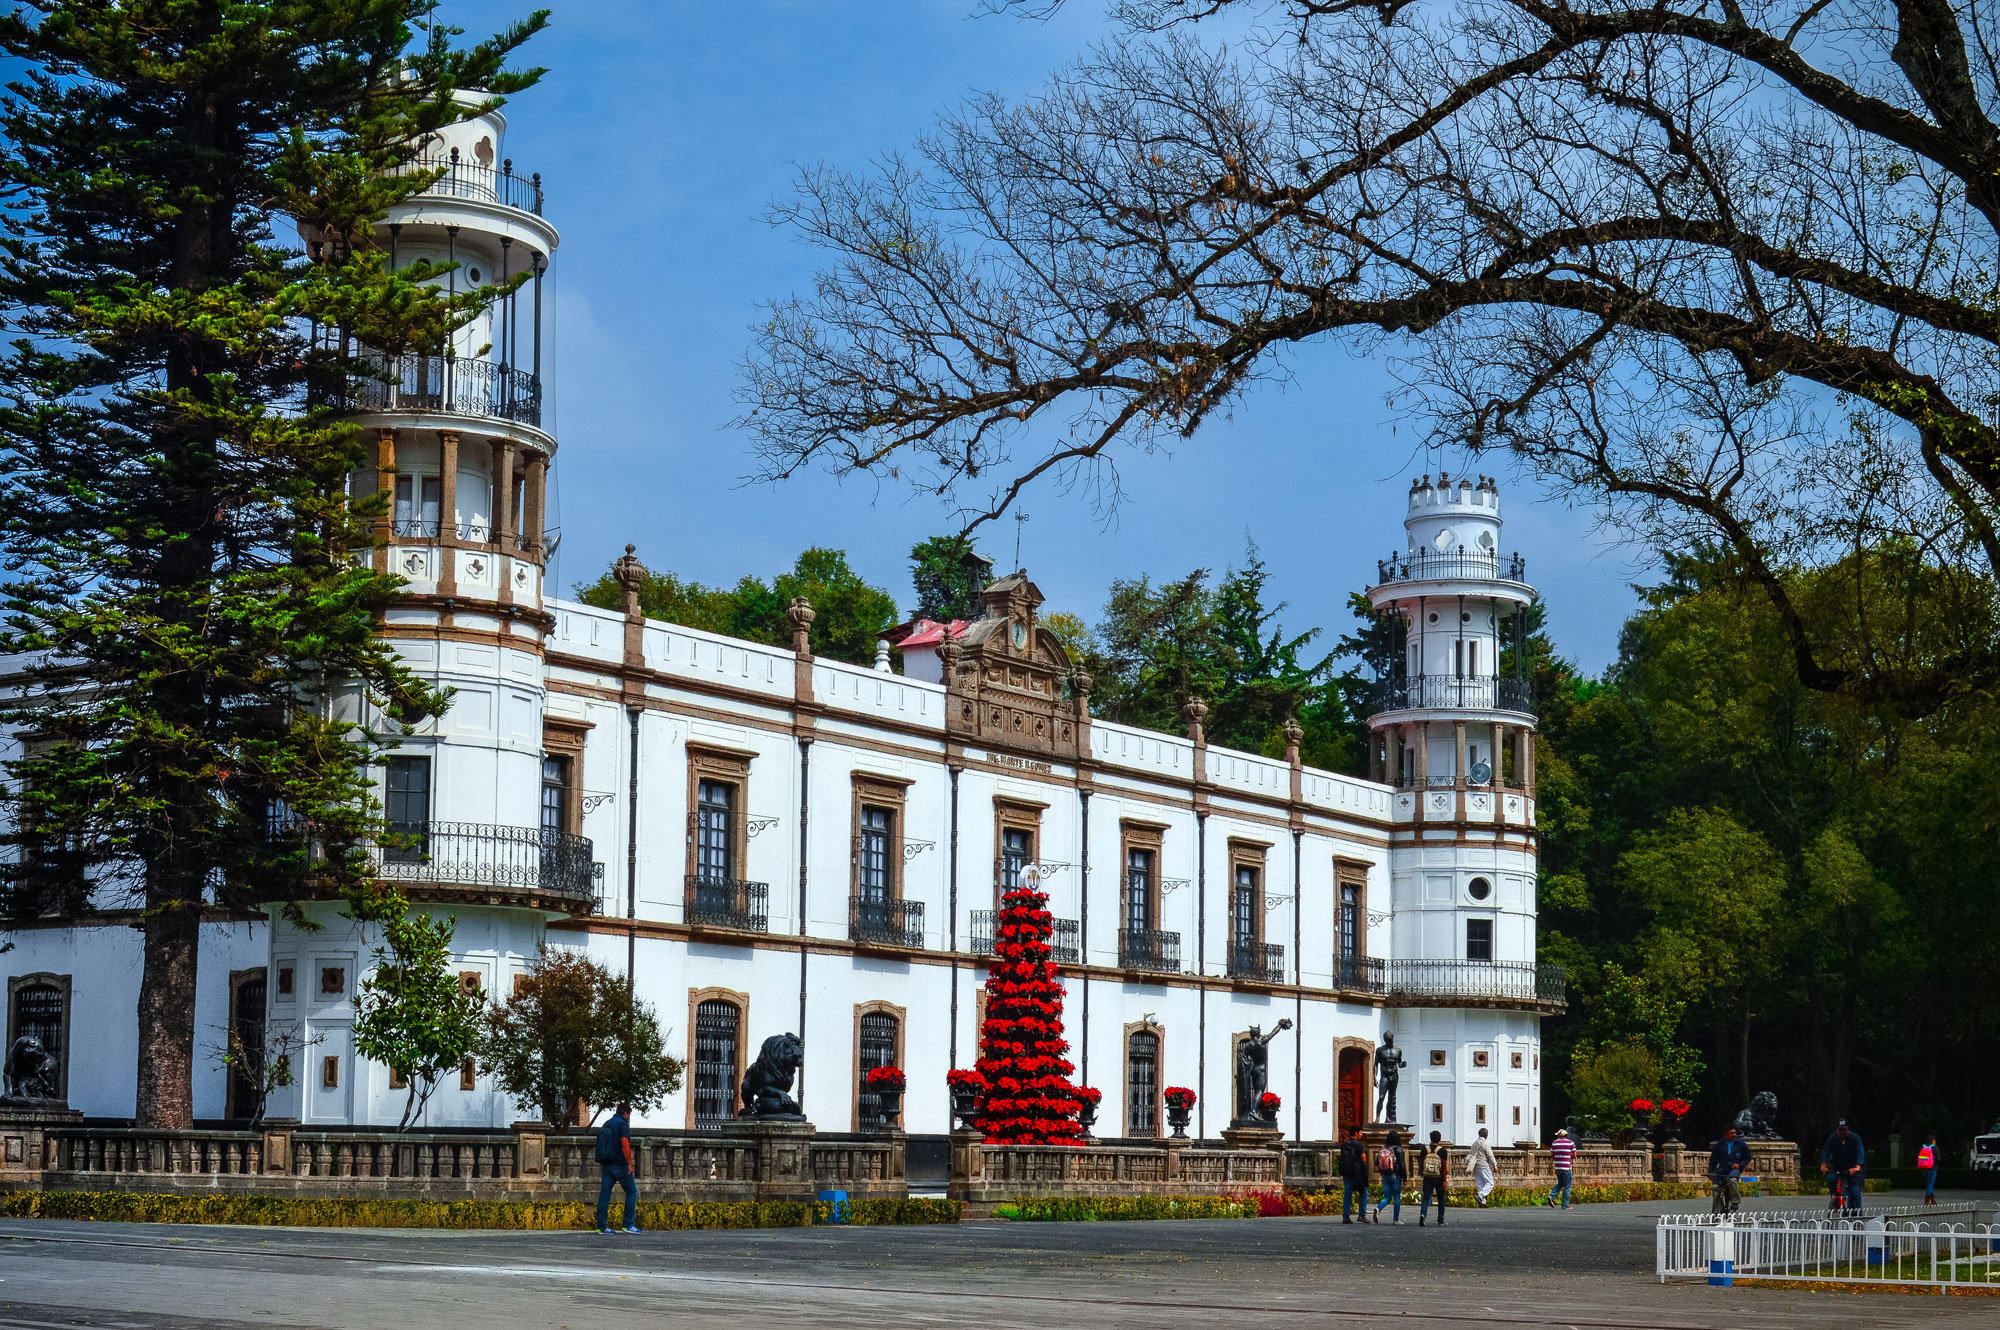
[[1178, 1118]]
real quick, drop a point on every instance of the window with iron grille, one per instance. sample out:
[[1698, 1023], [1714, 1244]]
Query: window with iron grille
[[1479, 939], [1017, 851], [1243, 907], [877, 1049], [406, 796], [1142, 1084], [246, 1026], [876, 826], [1138, 890], [717, 1035], [555, 794], [38, 1010], [418, 501], [715, 831]]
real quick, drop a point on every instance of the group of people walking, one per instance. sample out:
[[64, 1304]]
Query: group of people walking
[[1395, 1163]]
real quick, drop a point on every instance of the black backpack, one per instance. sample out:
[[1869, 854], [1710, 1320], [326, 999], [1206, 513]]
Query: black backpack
[[607, 1144]]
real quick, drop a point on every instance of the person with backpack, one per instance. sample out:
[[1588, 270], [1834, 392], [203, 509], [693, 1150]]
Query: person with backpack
[[1726, 1162], [1389, 1163], [1562, 1153], [1353, 1175], [1927, 1167], [1434, 1168], [614, 1163], [1485, 1168], [1844, 1161]]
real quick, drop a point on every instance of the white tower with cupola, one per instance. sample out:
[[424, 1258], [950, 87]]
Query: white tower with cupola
[[485, 800], [1453, 732]]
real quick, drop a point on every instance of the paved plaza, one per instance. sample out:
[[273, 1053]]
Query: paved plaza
[[1590, 1269]]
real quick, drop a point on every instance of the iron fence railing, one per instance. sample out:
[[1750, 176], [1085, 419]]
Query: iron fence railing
[[455, 385], [1472, 693], [1442, 983], [481, 183], [885, 920], [1149, 949], [477, 854], [1440, 565], [1261, 961], [719, 902], [1360, 974], [1065, 938], [1953, 1245]]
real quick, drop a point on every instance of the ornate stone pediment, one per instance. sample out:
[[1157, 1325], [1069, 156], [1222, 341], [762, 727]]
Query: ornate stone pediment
[[1009, 681]]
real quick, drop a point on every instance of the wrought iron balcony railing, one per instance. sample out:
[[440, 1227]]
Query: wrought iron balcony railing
[[718, 902], [529, 860], [1484, 983], [1065, 946], [1262, 961], [1360, 974], [483, 184], [1451, 565], [1470, 693], [454, 385], [1149, 949], [885, 921]]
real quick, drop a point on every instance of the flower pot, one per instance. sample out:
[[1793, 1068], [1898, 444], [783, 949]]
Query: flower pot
[[1086, 1115], [891, 1102], [964, 1105], [1178, 1119]]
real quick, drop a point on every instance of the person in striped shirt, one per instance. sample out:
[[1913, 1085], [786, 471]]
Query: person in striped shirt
[[1562, 1153]]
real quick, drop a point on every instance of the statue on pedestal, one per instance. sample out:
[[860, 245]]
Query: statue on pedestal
[[1253, 1071], [1389, 1066], [767, 1085], [1759, 1122], [30, 1072]]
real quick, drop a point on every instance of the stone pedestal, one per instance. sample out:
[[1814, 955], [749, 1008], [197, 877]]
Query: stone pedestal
[[278, 1143], [968, 1160], [784, 1157], [1254, 1135], [531, 1148], [1376, 1135], [1774, 1161], [25, 1146]]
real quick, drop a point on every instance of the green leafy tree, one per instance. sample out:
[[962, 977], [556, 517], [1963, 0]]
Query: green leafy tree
[[850, 613], [177, 539], [1604, 1080], [948, 574], [415, 1018], [572, 1035]]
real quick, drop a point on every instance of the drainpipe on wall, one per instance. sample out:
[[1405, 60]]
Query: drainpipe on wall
[[1201, 970], [1083, 933], [632, 858], [954, 916], [805, 799]]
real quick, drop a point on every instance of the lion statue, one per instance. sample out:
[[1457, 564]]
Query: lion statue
[[31, 1070], [1759, 1122], [767, 1085]]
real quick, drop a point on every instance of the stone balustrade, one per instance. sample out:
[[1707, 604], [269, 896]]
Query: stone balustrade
[[987, 1174]]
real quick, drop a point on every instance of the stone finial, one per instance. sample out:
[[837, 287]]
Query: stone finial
[[801, 615], [1194, 711], [1295, 733], [631, 574], [948, 650], [1079, 690], [882, 656]]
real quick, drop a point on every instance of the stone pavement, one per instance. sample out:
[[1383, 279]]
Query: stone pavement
[[1590, 1269]]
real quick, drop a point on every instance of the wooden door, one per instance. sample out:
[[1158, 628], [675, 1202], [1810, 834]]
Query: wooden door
[[1353, 1091]]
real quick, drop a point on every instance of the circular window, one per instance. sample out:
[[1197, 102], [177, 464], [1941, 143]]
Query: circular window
[[1479, 888], [1465, 618], [473, 273], [1434, 617]]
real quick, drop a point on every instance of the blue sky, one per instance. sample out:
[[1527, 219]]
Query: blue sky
[[664, 129]]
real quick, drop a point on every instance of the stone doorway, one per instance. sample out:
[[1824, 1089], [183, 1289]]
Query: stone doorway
[[1352, 1088]]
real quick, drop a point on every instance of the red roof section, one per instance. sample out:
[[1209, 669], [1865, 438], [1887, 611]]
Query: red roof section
[[923, 633]]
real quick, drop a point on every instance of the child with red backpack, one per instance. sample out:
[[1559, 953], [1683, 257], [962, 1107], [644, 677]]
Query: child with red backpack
[[1927, 1166], [1389, 1163]]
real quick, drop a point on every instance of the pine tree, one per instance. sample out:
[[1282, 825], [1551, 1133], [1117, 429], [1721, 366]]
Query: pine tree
[[1030, 1099], [187, 257]]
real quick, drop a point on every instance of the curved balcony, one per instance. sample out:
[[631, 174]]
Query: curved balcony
[[459, 387], [478, 183], [1453, 692], [498, 864], [1529, 985], [1451, 565], [1065, 945]]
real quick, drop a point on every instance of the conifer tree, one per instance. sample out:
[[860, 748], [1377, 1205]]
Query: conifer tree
[[187, 260], [1029, 1098]]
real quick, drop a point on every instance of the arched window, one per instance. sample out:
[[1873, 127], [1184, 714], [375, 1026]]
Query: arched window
[[718, 1045], [1142, 1083], [39, 1006], [879, 1037], [249, 991]]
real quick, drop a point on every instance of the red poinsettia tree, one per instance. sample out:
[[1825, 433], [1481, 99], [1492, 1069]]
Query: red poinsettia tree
[[1029, 1098]]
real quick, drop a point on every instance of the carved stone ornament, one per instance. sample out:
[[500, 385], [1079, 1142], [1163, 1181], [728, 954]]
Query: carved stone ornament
[[1009, 673], [413, 563], [475, 567], [801, 615], [767, 1084]]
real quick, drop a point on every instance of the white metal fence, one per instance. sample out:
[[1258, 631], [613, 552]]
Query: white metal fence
[[1943, 1245]]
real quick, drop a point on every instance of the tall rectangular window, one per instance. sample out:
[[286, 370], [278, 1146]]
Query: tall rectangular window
[[1139, 887], [1142, 1084], [1243, 907], [717, 1034], [407, 793], [876, 827], [877, 1049], [715, 831], [1017, 851], [555, 794], [418, 501], [1479, 939], [1350, 922]]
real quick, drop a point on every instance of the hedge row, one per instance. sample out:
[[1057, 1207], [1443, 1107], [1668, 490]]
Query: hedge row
[[543, 1216], [1084, 1208]]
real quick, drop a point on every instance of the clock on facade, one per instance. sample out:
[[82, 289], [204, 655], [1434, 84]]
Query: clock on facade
[[1020, 634]]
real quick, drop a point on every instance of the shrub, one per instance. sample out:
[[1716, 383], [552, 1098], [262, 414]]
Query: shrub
[[894, 1210], [350, 1212], [1086, 1208]]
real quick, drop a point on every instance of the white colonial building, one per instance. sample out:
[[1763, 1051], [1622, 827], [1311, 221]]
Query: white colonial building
[[772, 842]]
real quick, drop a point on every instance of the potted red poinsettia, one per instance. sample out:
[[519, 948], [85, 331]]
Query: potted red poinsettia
[[1268, 1105], [1180, 1104], [1088, 1097], [887, 1085], [965, 1085]]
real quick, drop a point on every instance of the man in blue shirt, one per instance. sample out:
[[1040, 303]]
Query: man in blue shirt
[[614, 1162], [1726, 1163], [1842, 1159]]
